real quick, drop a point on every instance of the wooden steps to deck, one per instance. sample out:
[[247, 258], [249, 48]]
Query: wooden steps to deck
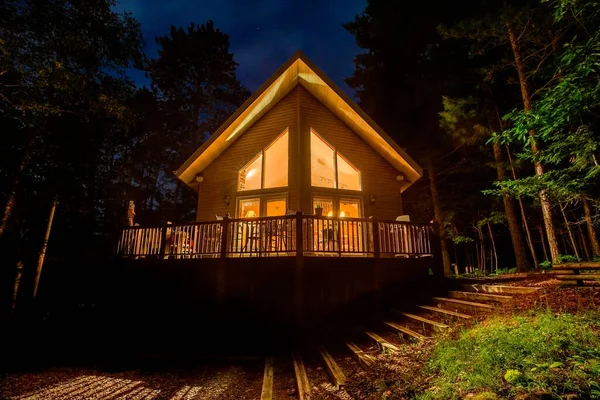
[[445, 312], [463, 304], [364, 359], [574, 277], [436, 326], [304, 391], [267, 387], [480, 288], [381, 342], [472, 296], [338, 379], [406, 331]]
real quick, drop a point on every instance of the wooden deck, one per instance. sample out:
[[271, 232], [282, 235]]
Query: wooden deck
[[295, 235]]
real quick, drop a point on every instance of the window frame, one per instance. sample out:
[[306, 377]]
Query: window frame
[[335, 166], [262, 166]]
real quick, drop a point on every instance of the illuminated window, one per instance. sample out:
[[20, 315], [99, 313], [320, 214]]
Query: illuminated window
[[276, 162], [269, 169], [249, 208], [276, 207], [330, 169]]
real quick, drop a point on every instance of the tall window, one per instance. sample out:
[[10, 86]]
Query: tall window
[[330, 169], [268, 169]]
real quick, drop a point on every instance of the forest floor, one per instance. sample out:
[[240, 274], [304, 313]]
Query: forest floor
[[417, 370]]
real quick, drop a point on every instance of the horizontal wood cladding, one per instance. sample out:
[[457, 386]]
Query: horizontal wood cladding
[[378, 176], [220, 177]]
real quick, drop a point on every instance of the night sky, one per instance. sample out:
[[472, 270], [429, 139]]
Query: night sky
[[263, 33]]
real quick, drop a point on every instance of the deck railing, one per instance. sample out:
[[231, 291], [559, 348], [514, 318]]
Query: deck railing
[[289, 235]]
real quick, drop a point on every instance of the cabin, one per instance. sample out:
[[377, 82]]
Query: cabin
[[299, 187]]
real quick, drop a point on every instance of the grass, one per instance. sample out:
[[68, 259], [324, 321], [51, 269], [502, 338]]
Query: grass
[[543, 354]]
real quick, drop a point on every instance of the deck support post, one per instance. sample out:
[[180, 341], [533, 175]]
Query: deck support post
[[299, 275], [221, 271], [377, 290], [437, 265]]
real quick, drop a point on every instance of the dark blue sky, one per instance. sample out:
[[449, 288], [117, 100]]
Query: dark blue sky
[[263, 33]]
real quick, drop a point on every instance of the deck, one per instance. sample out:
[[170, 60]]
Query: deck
[[284, 236]]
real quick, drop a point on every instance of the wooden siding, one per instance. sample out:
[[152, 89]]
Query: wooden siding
[[299, 111], [220, 177], [378, 176]]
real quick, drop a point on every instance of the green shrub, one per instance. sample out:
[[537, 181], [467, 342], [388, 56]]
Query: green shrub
[[546, 353]]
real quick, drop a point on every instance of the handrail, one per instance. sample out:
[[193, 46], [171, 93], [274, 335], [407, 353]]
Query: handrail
[[278, 236]]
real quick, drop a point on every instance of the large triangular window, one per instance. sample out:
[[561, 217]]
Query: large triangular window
[[268, 169], [330, 169]]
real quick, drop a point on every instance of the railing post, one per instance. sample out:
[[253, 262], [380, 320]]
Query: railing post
[[163, 241], [299, 236], [224, 236], [299, 275], [376, 237]]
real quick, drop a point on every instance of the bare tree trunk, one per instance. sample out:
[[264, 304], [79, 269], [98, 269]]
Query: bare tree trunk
[[493, 246], [16, 285], [539, 169], [437, 210], [40, 263], [584, 244], [510, 209], [587, 211], [541, 230], [569, 231], [10, 203], [536, 262]]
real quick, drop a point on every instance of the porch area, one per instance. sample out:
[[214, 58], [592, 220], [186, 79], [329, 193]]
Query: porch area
[[283, 236]]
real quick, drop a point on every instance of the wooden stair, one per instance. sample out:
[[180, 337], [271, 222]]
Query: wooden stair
[[364, 359], [480, 288], [406, 331], [436, 326], [473, 296], [463, 304], [338, 379], [304, 390], [381, 342], [445, 312]]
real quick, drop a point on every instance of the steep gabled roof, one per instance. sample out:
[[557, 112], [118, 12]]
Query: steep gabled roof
[[298, 70]]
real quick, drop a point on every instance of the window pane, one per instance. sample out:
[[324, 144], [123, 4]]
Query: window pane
[[276, 163], [276, 207], [322, 170], [349, 208], [348, 176], [325, 203], [249, 178], [249, 208]]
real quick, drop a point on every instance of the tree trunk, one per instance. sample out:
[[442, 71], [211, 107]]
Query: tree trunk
[[584, 244], [539, 169], [569, 231], [587, 211], [437, 210], [10, 203], [510, 209], [493, 247], [541, 230], [536, 262]]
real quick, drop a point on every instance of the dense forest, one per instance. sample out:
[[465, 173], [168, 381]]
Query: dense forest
[[498, 102]]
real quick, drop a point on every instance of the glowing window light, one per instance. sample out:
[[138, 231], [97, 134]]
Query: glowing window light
[[342, 214], [330, 214]]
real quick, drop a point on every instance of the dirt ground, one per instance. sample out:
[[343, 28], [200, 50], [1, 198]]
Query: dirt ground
[[394, 376]]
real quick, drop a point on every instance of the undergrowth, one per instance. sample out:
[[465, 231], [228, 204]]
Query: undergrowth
[[542, 354]]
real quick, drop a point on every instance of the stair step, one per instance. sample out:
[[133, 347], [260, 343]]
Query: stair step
[[405, 330], [384, 344], [479, 296], [437, 326], [445, 312], [471, 305], [338, 379], [578, 277], [303, 385], [363, 358], [479, 288]]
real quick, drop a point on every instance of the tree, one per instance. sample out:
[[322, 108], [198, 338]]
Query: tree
[[195, 80]]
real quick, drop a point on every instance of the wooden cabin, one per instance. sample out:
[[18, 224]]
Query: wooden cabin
[[299, 211], [297, 143]]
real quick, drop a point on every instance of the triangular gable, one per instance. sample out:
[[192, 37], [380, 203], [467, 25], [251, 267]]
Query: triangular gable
[[298, 70]]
